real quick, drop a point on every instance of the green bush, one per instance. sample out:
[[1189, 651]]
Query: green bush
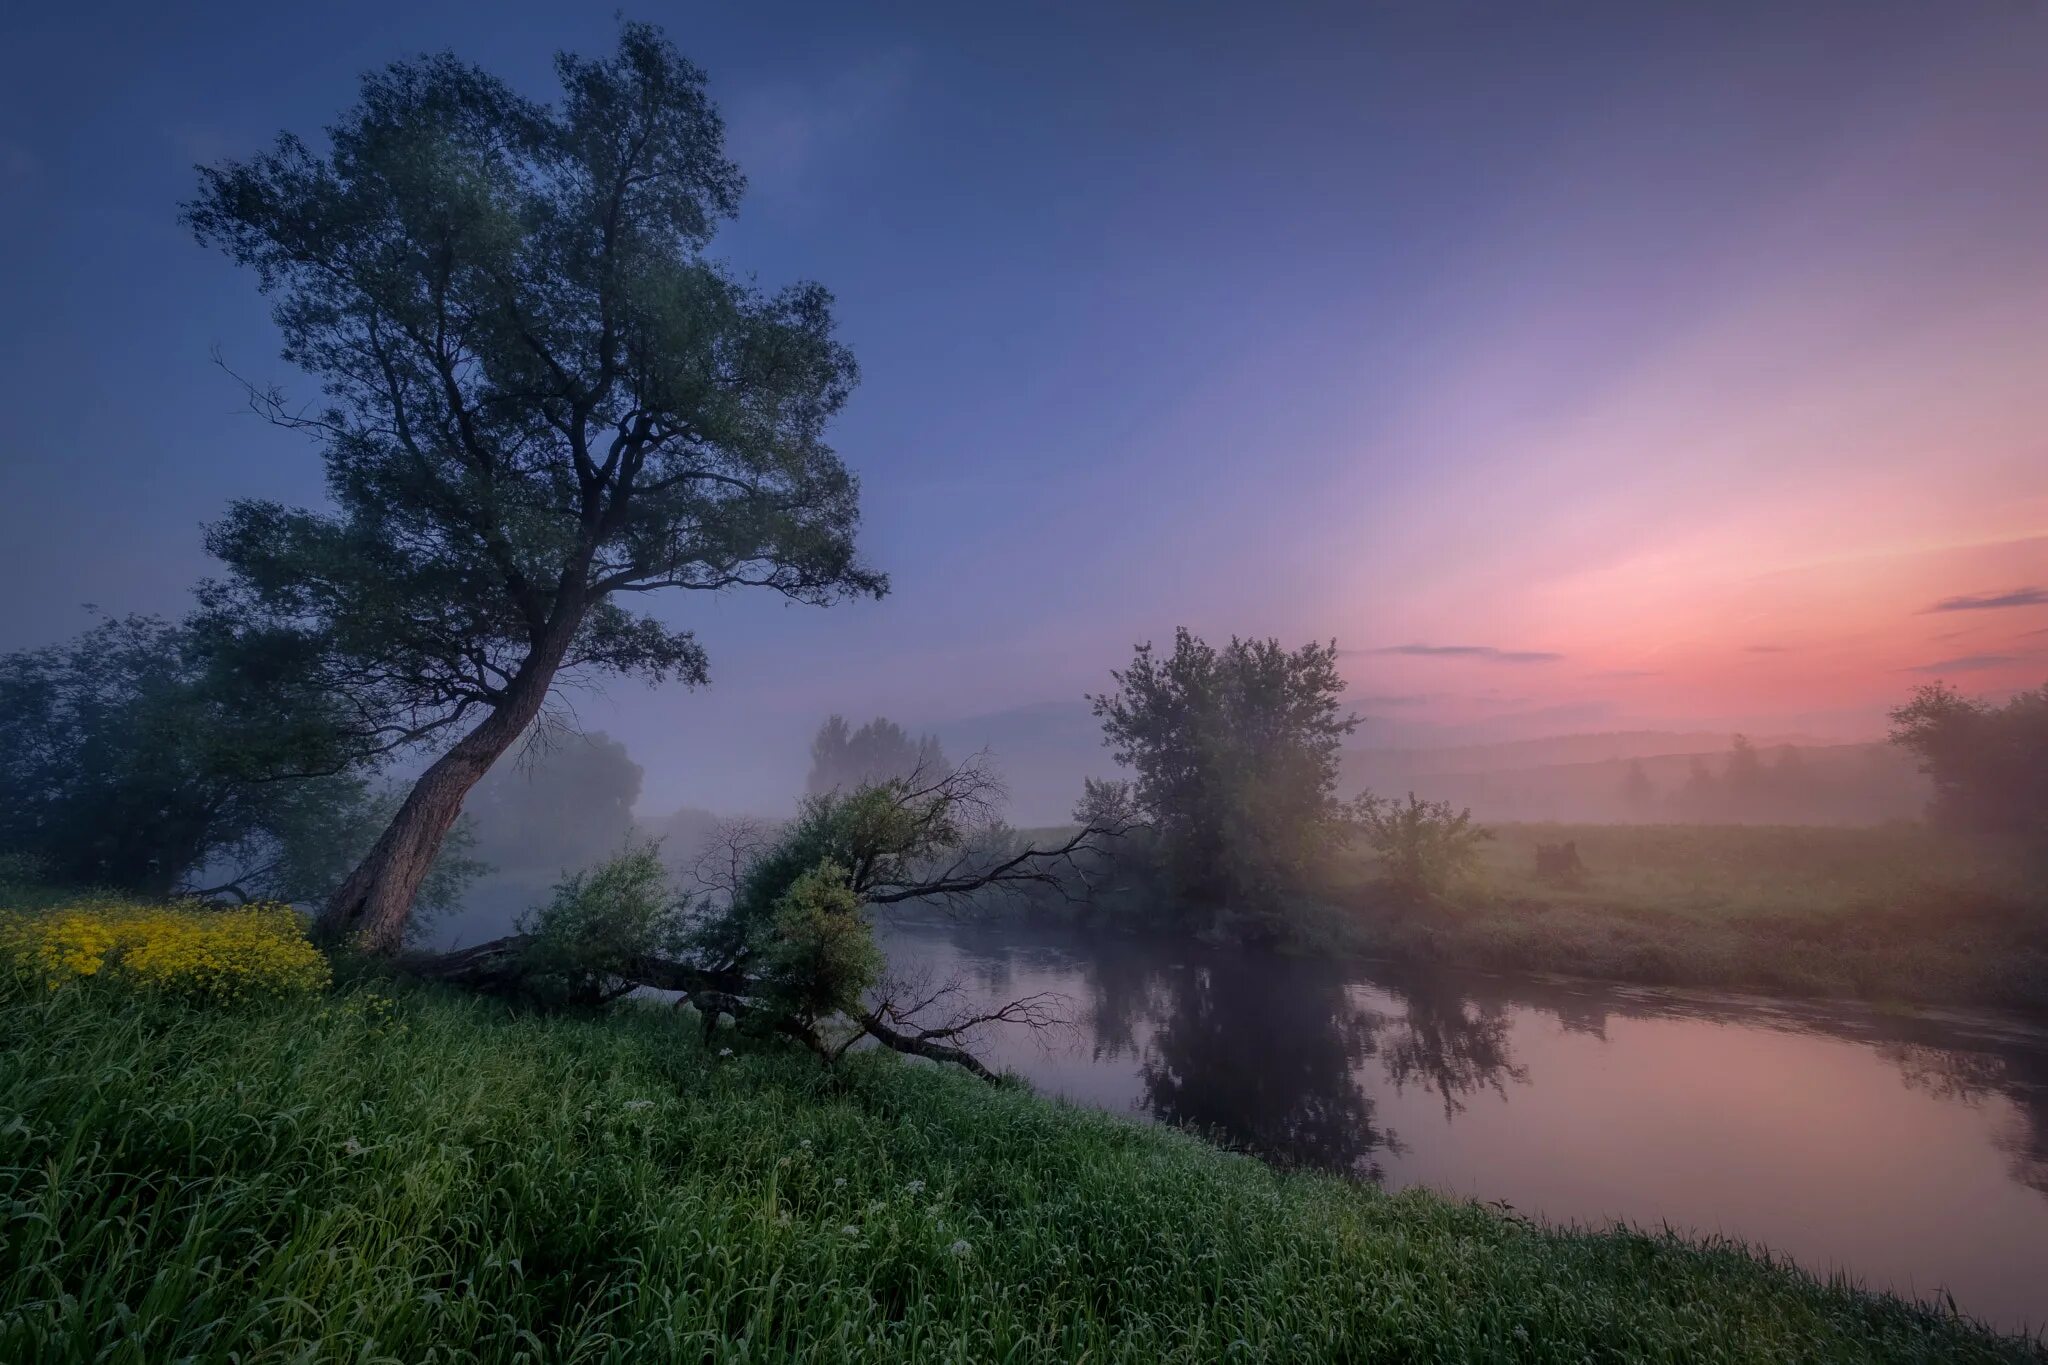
[[597, 923]]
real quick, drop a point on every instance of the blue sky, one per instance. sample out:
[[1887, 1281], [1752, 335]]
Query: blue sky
[[1600, 332]]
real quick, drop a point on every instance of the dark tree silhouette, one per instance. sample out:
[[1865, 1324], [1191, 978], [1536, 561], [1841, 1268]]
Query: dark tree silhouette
[[843, 758], [540, 397], [1235, 756], [1989, 764], [144, 752]]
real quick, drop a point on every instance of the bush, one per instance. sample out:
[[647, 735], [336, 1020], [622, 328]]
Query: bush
[[209, 956], [597, 924], [1423, 845], [823, 954]]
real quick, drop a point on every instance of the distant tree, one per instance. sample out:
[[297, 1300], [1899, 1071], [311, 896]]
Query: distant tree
[[144, 754], [541, 396], [1235, 755], [843, 759], [1638, 793], [1988, 764], [566, 804], [1743, 780], [1700, 797]]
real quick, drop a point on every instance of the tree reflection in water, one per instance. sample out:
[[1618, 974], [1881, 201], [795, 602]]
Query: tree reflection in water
[[1278, 1057], [1283, 1057]]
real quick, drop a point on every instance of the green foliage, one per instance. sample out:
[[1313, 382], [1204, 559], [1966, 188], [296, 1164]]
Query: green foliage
[[1989, 764], [878, 836], [143, 753], [1423, 846], [1235, 754], [539, 390], [821, 954], [437, 1180], [598, 922]]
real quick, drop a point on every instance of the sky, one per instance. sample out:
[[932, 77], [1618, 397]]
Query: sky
[[1575, 367]]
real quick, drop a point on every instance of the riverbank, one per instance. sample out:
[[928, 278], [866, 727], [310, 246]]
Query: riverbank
[[1895, 914], [431, 1177]]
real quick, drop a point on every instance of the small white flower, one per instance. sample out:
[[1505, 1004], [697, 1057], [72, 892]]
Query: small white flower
[[805, 1144], [353, 1148], [850, 1230], [915, 1187], [840, 1183], [961, 1248], [876, 1206], [783, 1218], [725, 1052], [633, 1106]]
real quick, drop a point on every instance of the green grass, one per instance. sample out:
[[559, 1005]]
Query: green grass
[[447, 1182], [1897, 913]]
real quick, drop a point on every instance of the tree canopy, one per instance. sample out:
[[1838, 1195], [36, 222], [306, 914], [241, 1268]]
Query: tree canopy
[[541, 397], [162, 758], [1988, 763], [1235, 755]]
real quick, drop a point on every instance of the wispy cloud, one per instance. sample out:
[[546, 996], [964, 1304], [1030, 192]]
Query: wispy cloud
[[1966, 663], [1390, 699], [1487, 652], [1991, 601]]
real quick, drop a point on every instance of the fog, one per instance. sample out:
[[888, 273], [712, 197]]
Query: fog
[[573, 797]]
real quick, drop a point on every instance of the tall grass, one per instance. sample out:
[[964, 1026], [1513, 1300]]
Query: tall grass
[[436, 1180]]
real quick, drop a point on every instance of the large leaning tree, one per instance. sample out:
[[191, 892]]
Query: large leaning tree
[[541, 400]]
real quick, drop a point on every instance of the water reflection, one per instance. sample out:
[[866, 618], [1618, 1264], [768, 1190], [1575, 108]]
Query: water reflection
[[1271, 1056], [1909, 1150], [1974, 1077], [1210, 1059]]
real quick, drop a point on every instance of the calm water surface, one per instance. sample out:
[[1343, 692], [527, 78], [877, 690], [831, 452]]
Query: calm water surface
[[1908, 1151]]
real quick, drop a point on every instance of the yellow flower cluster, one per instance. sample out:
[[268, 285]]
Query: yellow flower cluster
[[214, 956]]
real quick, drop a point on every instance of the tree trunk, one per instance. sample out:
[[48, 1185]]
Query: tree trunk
[[373, 906]]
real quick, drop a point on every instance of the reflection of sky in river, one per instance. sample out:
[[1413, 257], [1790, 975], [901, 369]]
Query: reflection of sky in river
[[1909, 1150]]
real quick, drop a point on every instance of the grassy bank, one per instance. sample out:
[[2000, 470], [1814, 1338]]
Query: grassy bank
[[434, 1180], [1893, 913]]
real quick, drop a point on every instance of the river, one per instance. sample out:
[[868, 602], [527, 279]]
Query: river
[[1908, 1151]]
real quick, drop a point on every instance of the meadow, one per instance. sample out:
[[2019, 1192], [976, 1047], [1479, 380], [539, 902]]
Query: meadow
[[384, 1174], [1887, 913]]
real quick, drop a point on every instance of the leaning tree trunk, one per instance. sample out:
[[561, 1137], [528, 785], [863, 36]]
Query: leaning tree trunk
[[372, 907]]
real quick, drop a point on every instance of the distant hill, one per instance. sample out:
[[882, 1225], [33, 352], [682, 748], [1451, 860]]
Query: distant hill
[[1822, 784], [1045, 750], [1505, 755]]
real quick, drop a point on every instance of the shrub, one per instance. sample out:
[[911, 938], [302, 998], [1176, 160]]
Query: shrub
[[598, 923], [823, 954], [1423, 845], [208, 956]]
